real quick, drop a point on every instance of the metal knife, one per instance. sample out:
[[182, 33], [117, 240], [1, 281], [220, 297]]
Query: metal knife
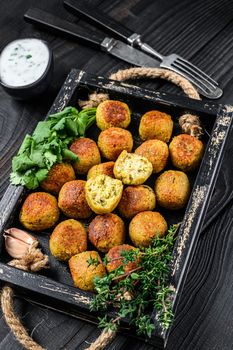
[[206, 85], [109, 45]]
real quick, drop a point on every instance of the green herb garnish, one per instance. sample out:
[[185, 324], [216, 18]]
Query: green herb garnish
[[144, 288], [49, 145]]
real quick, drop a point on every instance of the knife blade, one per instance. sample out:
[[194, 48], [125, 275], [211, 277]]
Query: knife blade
[[111, 46]]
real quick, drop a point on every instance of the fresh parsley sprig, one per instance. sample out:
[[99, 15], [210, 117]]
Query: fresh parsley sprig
[[141, 289], [49, 145]]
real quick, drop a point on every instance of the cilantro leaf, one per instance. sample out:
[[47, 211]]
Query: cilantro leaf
[[30, 180], [67, 154], [22, 162], [26, 144], [41, 174], [49, 145], [42, 131]]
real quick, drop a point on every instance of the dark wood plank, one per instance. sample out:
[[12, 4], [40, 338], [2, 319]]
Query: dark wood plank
[[209, 291], [201, 30]]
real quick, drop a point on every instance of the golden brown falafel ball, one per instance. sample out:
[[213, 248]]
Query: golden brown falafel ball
[[87, 152], [146, 225], [115, 258], [172, 189], [101, 169], [59, 174], [68, 238], [72, 200], [103, 193], [156, 125], [39, 211], [111, 113], [132, 169], [156, 152], [136, 199], [106, 231], [83, 273], [186, 152], [113, 141]]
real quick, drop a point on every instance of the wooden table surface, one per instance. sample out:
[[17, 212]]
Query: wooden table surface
[[201, 31]]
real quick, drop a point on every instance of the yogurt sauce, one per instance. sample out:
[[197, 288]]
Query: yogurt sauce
[[23, 61]]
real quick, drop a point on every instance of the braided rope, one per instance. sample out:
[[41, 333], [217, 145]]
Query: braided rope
[[34, 260], [137, 73], [14, 323], [103, 340]]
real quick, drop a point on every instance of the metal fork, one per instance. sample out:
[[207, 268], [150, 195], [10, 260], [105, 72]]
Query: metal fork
[[204, 83], [207, 86]]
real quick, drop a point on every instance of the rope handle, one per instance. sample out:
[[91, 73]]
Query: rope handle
[[189, 123], [35, 260]]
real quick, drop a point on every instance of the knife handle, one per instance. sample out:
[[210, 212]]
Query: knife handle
[[60, 26], [101, 19]]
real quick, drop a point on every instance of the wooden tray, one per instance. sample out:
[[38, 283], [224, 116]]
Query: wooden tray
[[54, 288]]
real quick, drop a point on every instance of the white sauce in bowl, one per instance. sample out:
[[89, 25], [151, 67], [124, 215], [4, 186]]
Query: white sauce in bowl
[[23, 61]]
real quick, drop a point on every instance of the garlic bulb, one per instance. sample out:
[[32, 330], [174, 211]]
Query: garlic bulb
[[18, 242]]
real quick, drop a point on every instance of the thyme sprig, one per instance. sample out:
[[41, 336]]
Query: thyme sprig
[[141, 290]]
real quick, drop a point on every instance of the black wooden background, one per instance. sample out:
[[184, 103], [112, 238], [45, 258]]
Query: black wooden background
[[201, 31]]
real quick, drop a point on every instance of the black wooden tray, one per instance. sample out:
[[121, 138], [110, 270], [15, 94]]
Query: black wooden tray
[[54, 288]]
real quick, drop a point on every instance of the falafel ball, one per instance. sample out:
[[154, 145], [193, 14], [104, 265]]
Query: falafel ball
[[39, 211], [72, 200], [113, 141], [136, 199], [87, 152], [68, 238], [115, 258], [186, 152], [101, 169], [156, 152], [83, 272], [59, 174], [156, 125], [146, 225], [106, 231], [111, 113], [172, 189]]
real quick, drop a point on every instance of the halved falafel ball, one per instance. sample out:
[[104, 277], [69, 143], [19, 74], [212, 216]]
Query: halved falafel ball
[[87, 152], [106, 231], [59, 174], [113, 141], [132, 169], [39, 211], [156, 125], [156, 152], [115, 258], [112, 113], [103, 193], [145, 226], [101, 169], [83, 272], [136, 199], [72, 200], [172, 189], [67, 239], [186, 152]]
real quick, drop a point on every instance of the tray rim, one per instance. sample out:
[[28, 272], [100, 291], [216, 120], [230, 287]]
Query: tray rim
[[223, 114]]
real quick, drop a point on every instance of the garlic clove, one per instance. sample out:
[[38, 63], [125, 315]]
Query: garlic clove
[[21, 235], [18, 242], [15, 248]]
